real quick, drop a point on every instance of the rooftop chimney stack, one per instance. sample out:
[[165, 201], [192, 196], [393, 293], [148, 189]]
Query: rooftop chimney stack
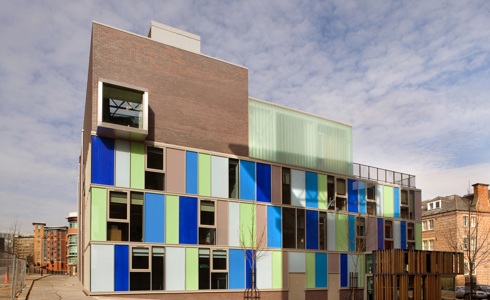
[[480, 196], [174, 37]]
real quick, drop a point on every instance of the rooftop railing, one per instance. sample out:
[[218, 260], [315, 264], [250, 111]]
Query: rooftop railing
[[382, 175]]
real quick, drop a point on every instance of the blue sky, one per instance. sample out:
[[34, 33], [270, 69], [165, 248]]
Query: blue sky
[[412, 77]]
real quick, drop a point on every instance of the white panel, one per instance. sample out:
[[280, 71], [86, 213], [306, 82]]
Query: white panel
[[396, 235], [297, 262], [351, 260], [122, 163], [298, 191], [379, 200], [102, 268], [175, 269], [264, 271], [219, 177], [331, 239], [234, 224]]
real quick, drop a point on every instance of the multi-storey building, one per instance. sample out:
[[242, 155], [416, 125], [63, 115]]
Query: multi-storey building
[[178, 163], [24, 245], [55, 242], [39, 243], [72, 249], [460, 223]]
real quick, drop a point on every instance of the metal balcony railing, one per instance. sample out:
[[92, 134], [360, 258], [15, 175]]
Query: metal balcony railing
[[382, 175]]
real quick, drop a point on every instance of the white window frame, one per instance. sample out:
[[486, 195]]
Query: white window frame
[[465, 221], [429, 223], [424, 225], [473, 221]]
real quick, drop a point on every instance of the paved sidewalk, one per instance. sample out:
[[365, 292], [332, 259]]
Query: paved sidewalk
[[56, 287]]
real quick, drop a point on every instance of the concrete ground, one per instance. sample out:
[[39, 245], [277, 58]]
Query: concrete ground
[[54, 287]]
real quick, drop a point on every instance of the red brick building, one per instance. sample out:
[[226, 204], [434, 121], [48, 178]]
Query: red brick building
[[460, 223]]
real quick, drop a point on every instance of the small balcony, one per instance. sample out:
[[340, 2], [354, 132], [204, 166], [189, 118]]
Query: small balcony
[[382, 175], [122, 111]]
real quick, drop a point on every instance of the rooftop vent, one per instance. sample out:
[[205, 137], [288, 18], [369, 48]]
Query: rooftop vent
[[174, 37]]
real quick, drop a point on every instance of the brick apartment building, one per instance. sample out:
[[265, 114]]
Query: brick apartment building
[[455, 222], [72, 248], [24, 245], [50, 247], [177, 159]]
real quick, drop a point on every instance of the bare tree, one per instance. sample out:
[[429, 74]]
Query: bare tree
[[473, 240], [12, 232], [253, 242]]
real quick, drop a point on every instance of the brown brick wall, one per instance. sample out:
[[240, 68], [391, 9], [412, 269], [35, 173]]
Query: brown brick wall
[[229, 295], [194, 101], [314, 295]]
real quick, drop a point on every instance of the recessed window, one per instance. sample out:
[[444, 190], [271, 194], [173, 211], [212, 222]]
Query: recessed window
[[219, 260], [331, 192], [207, 236], [341, 204], [322, 233], [371, 208], [122, 106], [136, 217], [213, 269], [473, 221], [341, 189], [117, 231], [430, 225], [154, 181], [204, 269], [140, 258], [286, 186], [465, 221], [157, 267], [118, 206], [388, 229], [207, 212], [289, 227], [207, 222], [404, 197], [371, 191], [154, 158], [360, 234], [300, 232], [219, 281], [139, 281], [233, 176]]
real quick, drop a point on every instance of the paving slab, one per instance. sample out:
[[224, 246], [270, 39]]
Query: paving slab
[[55, 287]]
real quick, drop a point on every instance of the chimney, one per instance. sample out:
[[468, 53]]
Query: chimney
[[174, 37], [480, 197]]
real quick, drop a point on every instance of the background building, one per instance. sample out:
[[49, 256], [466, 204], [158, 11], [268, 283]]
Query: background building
[[72, 250], [24, 246], [55, 246], [178, 162], [460, 223], [39, 243]]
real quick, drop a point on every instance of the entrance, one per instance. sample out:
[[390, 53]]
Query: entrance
[[297, 286]]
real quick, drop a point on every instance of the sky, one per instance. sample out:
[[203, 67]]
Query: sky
[[411, 77]]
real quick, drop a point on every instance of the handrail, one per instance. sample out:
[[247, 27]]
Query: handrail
[[383, 175]]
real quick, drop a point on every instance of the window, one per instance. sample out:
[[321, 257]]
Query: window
[[233, 176], [411, 205], [467, 268], [157, 267], [388, 234], [424, 225], [331, 192], [431, 224], [431, 245], [472, 243], [289, 227], [286, 186], [207, 219], [473, 221], [424, 245], [404, 197], [360, 234], [371, 199], [465, 243], [465, 221], [155, 169], [213, 272], [136, 217], [118, 205], [122, 106], [300, 231], [139, 277], [341, 200], [322, 232], [438, 204]]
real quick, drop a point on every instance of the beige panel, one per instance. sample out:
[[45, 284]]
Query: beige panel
[[222, 223], [175, 174], [297, 286], [261, 217], [333, 264], [276, 187], [333, 286], [285, 270], [371, 234]]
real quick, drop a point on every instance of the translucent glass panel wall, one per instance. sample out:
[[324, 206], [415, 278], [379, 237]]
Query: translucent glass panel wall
[[286, 136]]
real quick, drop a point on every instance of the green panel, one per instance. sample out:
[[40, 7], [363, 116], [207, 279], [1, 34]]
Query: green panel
[[388, 201], [276, 269], [204, 174], [341, 233], [361, 270], [172, 219], [418, 236], [137, 165], [287, 136], [322, 191], [98, 211], [191, 269], [247, 224], [310, 270]]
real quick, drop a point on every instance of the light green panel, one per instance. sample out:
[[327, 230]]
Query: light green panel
[[361, 270], [247, 219], [276, 269], [322, 191], [172, 219], [191, 269], [341, 233], [137, 165], [295, 138], [388, 201], [98, 211], [418, 236], [310, 270], [204, 174]]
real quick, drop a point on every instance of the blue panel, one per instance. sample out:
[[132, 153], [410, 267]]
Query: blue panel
[[102, 160], [362, 197], [188, 220], [403, 229], [247, 180], [237, 269], [396, 199], [352, 197], [344, 272], [274, 227], [191, 173], [321, 271], [352, 233], [154, 218], [380, 234], [311, 230], [248, 267], [311, 189], [121, 268], [263, 183]]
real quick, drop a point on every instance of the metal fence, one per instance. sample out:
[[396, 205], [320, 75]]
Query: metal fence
[[377, 174], [12, 275]]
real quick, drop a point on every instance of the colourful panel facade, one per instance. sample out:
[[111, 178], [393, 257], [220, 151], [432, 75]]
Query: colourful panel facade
[[264, 183], [352, 196], [191, 173], [172, 219], [322, 191], [277, 269], [102, 268], [175, 173], [311, 185], [403, 234], [191, 267], [137, 165], [175, 269], [219, 177], [247, 180], [344, 271], [310, 270], [121, 268], [341, 232], [388, 202], [362, 197], [98, 211], [102, 160], [274, 227], [204, 171], [188, 220], [237, 269], [234, 224], [154, 218], [396, 202], [264, 271], [312, 229], [247, 217], [381, 235], [298, 189], [123, 163], [321, 267], [352, 232]]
